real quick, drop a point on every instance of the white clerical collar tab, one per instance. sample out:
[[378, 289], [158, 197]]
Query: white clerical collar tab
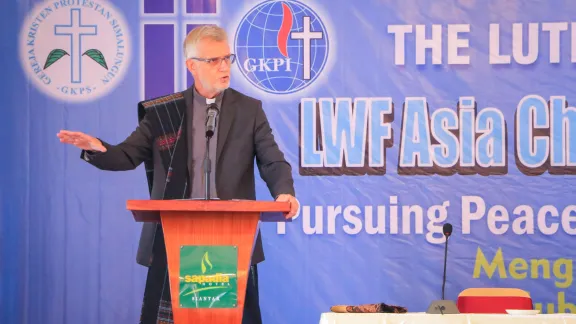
[[210, 101]]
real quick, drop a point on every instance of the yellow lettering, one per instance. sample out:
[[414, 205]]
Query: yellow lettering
[[516, 265], [219, 277], [518, 268], [489, 268], [563, 306], [549, 308], [565, 275], [545, 268]]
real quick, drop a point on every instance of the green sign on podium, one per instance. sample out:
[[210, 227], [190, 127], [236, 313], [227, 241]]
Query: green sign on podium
[[208, 277]]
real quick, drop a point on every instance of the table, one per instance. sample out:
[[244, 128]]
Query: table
[[421, 318]]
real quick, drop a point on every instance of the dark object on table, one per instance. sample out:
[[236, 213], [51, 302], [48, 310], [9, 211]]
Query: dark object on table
[[368, 308]]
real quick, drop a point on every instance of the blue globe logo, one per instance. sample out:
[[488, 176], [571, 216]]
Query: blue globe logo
[[282, 46]]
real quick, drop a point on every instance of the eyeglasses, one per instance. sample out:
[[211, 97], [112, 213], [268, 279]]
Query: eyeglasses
[[217, 61]]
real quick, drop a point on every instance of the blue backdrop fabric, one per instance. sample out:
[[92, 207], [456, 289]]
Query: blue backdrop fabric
[[397, 116]]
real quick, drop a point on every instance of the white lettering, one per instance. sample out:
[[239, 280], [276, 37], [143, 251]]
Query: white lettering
[[434, 43], [555, 29], [495, 56], [547, 222], [399, 32], [454, 44]]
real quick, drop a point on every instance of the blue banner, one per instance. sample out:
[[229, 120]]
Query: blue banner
[[397, 117]]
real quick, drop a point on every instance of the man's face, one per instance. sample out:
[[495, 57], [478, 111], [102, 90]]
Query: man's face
[[211, 66]]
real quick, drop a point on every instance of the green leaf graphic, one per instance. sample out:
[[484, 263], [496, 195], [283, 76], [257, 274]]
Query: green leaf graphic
[[54, 56], [97, 56], [208, 260], [205, 260]]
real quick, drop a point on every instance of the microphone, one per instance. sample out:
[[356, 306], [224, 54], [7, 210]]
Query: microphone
[[211, 113], [447, 230], [444, 306]]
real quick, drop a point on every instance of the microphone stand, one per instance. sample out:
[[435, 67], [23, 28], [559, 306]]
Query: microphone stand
[[211, 113], [445, 258], [443, 306], [207, 169]]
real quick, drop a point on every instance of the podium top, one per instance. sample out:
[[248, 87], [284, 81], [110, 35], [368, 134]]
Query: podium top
[[149, 210]]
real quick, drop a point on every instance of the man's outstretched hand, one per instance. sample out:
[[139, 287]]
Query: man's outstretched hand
[[293, 204], [81, 141]]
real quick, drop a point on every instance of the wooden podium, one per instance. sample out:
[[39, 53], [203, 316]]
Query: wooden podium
[[209, 247]]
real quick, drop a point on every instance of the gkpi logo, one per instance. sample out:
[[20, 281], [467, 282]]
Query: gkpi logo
[[75, 50], [282, 46]]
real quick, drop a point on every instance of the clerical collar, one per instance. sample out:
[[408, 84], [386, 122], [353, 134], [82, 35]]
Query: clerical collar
[[208, 101]]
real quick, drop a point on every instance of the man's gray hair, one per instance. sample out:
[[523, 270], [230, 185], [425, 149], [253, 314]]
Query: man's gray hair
[[212, 32]]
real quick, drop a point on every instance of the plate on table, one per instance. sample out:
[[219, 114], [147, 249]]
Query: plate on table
[[522, 311]]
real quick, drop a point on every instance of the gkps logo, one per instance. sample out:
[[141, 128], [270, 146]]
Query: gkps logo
[[75, 50], [282, 46]]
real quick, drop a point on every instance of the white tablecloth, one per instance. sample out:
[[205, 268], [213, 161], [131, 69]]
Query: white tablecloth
[[423, 318]]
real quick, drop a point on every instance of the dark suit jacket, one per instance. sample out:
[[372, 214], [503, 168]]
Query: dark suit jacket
[[248, 138]]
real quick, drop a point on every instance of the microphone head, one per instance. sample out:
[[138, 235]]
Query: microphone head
[[211, 114], [212, 109], [447, 229]]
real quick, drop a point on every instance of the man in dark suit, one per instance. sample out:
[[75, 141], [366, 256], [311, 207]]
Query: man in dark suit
[[171, 141]]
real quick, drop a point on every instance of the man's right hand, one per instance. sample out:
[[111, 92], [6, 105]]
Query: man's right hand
[[81, 140]]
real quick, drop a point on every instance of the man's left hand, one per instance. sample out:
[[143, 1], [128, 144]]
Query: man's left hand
[[294, 205]]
